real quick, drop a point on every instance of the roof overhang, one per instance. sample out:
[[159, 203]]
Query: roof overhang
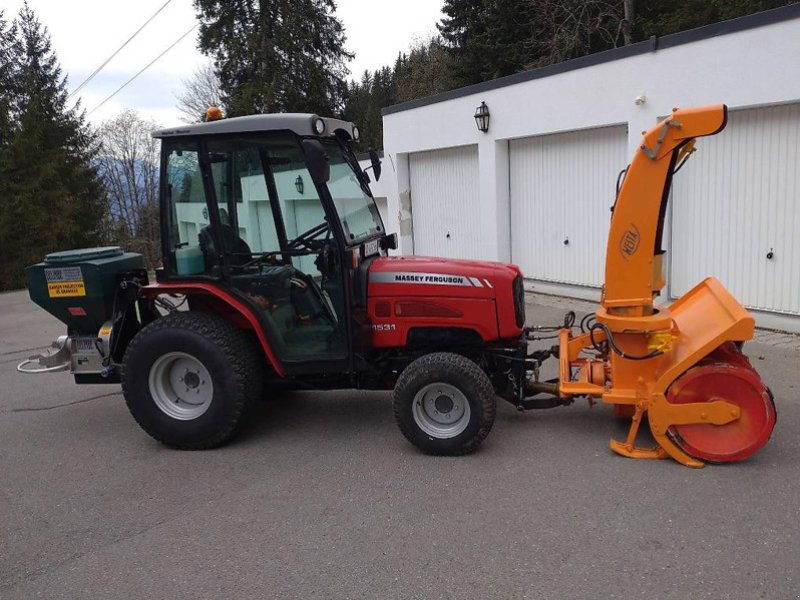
[[299, 123]]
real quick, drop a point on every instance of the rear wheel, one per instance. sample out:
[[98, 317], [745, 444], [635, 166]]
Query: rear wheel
[[188, 378], [444, 404]]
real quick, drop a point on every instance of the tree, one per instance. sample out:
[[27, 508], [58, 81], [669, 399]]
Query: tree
[[200, 91], [425, 70], [276, 55], [487, 38], [568, 29], [128, 164], [628, 16], [364, 102], [50, 192], [662, 17], [357, 109], [7, 65]]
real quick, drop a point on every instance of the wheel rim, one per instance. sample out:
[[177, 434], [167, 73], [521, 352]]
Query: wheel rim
[[441, 410], [181, 386]]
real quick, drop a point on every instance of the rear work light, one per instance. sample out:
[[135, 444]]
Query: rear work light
[[425, 309]]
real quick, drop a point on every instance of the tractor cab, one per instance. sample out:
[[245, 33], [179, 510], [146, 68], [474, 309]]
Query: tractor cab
[[275, 211]]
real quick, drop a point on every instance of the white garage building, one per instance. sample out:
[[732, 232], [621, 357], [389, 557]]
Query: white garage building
[[536, 188]]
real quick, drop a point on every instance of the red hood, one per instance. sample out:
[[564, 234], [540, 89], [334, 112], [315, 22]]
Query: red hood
[[424, 276]]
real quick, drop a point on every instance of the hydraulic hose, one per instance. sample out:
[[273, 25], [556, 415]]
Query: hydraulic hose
[[612, 344]]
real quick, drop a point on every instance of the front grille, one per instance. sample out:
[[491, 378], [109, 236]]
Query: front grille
[[518, 289]]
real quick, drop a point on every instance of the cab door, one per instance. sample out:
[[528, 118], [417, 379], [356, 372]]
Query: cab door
[[280, 247]]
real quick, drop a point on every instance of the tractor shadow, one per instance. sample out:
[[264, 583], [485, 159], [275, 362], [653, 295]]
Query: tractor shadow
[[316, 414], [577, 421], [356, 414]]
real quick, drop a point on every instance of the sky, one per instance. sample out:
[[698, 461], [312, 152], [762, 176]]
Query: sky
[[86, 32]]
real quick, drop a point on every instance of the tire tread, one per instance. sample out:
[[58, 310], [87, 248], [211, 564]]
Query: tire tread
[[235, 345], [419, 371]]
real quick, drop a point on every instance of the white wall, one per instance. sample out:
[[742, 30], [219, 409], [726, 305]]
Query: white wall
[[747, 68]]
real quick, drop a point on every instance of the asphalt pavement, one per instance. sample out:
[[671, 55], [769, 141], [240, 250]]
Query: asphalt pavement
[[322, 497]]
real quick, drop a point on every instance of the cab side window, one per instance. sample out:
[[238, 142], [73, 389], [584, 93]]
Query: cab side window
[[186, 213], [246, 217]]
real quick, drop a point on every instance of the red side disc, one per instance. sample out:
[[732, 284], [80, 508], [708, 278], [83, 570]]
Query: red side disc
[[734, 381]]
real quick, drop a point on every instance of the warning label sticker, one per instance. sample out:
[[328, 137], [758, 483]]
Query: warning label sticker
[[66, 282], [63, 274], [71, 289]]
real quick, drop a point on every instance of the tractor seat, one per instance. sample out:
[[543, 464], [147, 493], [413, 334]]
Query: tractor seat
[[239, 253]]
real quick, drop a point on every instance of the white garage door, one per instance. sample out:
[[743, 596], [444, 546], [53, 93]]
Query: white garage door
[[736, 201], [445, 202], [562, 187]]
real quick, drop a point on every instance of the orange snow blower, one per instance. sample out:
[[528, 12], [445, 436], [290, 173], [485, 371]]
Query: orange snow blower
[[680, 365]]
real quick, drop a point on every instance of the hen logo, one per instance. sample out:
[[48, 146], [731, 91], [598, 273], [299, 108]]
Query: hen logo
[[629, 243]]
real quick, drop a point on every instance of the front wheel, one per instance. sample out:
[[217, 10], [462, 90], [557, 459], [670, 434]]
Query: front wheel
[[188, 378], [444, 404]]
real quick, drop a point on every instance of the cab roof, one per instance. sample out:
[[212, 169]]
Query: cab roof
[[299, 123]]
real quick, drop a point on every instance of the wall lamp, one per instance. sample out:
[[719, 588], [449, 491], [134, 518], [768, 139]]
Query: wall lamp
[[482, 117], [298, 183]]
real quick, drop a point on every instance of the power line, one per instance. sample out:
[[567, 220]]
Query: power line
[[143, 69], [117, 51]]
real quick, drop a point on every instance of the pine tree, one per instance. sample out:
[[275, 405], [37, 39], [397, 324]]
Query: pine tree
[[51, 197], [276, 55], [7, 64], [424, 71], [356, 107], [662, 17], [487, 38]]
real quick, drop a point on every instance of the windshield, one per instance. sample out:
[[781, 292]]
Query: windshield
[[356, 209]]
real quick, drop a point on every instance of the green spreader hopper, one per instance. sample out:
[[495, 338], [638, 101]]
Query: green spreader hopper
[[78, 286], [89, 290]]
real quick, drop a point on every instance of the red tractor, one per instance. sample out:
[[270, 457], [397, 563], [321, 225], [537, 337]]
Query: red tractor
[[276, 250]]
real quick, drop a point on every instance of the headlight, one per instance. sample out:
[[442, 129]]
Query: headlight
[[319, 126], [356, 133]]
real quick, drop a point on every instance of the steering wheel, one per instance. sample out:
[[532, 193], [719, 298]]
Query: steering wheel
[[306, 238]]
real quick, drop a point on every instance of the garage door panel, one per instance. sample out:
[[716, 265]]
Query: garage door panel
[[738, 199], [445, 202], [562, 186]]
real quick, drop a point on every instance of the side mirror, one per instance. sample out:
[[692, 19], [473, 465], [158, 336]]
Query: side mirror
[[317, 161], [389, 242], [376, 163]]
